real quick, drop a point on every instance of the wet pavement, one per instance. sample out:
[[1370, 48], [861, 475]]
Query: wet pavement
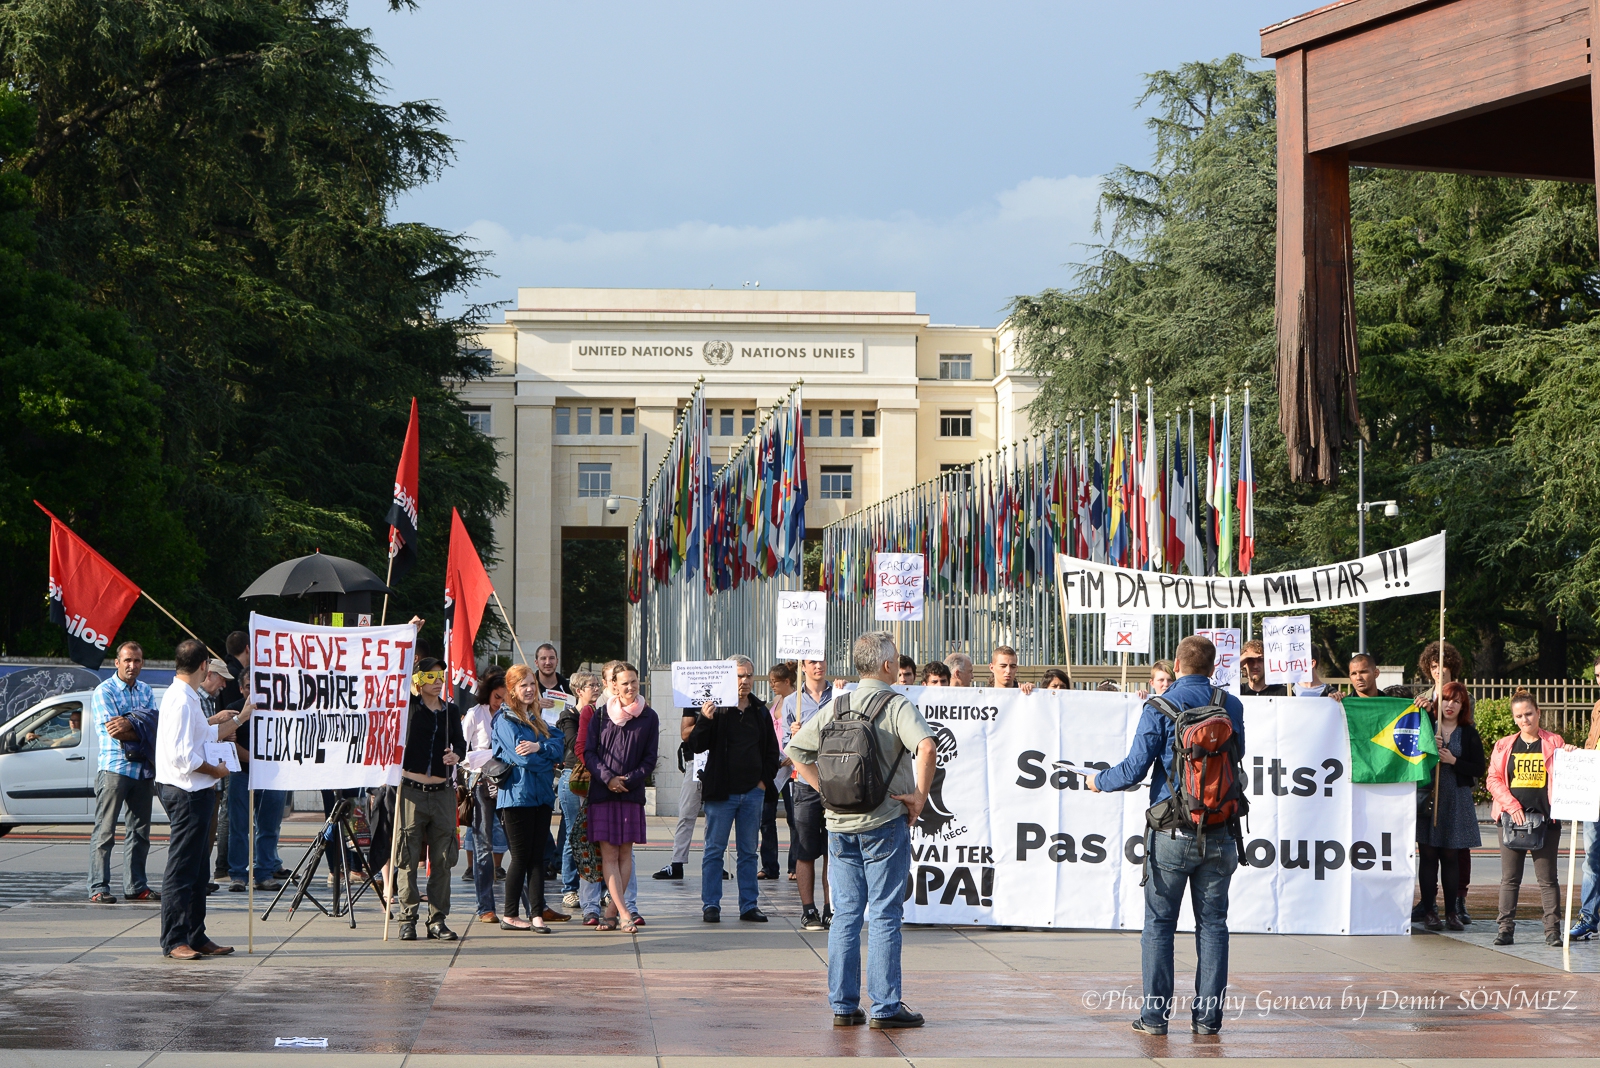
[[87, 985]]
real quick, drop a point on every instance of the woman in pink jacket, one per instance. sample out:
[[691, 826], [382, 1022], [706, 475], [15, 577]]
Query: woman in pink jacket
[[1519, 781]]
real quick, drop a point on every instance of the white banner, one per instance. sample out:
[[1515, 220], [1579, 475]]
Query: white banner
[[694, 682], [897, 594], [1415, 568], [330, 704], [1011, 835], [1575, 786], [802, 625]]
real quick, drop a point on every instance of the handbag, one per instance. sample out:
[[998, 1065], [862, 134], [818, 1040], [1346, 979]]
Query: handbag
[[497, 772], [466, 805], [578, 782], [1528, 835]]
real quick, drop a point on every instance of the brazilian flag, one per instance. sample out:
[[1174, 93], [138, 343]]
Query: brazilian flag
[[1391, 740]]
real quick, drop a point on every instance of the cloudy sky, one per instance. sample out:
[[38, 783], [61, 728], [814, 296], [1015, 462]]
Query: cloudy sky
[[951, 149]]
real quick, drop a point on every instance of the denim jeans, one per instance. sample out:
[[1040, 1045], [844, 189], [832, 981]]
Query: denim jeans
[[485, 824], [115, 794], [571, 804], [1177, 864], [1591, 873], [269, 822], [236, 790], [868, 873], [740, 813]]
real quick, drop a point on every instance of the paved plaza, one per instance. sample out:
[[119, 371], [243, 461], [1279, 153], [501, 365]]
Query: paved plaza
[[82, 985]]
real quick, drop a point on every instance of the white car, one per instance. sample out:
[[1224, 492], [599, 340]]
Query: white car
[[48, 764]]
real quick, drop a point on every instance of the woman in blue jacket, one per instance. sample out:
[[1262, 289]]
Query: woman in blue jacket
[[522, 739]]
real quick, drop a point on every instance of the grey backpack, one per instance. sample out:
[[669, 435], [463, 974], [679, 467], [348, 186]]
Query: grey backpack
[[849, 761]]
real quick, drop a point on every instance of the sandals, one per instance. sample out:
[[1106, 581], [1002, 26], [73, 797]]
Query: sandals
[[606, 924], [630, 928]]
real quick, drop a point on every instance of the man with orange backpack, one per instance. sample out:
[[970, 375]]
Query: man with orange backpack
[[1191, 740]]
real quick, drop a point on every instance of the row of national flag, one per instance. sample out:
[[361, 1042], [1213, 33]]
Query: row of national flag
[[1142, 492], [90, 598]]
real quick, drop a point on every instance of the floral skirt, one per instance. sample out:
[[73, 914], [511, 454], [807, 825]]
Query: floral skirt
[[585, 854]]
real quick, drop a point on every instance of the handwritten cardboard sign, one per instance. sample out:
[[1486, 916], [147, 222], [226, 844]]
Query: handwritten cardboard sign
[[1286, 645], [1127, 632], [1575, 786], [897, 594], [802, 625], [1225, 673]]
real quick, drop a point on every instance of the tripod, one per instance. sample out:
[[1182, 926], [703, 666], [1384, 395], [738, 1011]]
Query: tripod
[[338, 836]]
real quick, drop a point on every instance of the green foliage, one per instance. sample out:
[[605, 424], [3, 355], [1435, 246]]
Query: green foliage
[[594, 612], [1492, 717], [221, 175], [1477, 389]]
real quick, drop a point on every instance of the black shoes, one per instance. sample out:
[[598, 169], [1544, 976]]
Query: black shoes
[[1432, 922], [1452, 922], [408, 930], [753, 916], [711, 914], [670, 871], [1552, 938], [438, 930], [1202, 1029], [268, 885], [1461, 910], [811, 919], [903, 1017], [1505, 938], [852, 1019], [827, 915], [1139, 1026]]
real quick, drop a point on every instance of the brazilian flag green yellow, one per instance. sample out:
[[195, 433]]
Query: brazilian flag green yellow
[[1391, 740]]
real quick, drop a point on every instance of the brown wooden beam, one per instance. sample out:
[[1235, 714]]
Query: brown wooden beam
[[1317, 359]]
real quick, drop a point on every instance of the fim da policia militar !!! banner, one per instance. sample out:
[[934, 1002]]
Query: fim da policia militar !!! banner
[[1011, 834], [330, 704]]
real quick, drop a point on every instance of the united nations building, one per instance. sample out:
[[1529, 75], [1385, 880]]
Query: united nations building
[[588, 385]]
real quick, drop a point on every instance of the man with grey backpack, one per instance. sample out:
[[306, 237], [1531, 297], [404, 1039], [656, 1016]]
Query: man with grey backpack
[[870, 754]]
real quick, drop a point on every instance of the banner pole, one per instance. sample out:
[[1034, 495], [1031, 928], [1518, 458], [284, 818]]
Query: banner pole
[[176, 620], [508, 624], [250, 854], [1124, 672], [383, 620], [394, 857], [1572, 871]]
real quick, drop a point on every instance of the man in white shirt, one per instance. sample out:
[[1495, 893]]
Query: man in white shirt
[[186, 781]]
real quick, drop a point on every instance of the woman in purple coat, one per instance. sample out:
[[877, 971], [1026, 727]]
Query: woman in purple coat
[[620, 751]]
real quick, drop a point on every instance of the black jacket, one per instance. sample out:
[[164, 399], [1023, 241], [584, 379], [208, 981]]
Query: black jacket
[[713, 736], [1472, 764], [428, 735]]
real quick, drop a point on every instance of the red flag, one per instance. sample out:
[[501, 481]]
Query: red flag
[[88, 597], [466, 593], [403, 512]]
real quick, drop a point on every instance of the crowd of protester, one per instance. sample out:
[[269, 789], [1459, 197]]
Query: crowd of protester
[[496, 771]]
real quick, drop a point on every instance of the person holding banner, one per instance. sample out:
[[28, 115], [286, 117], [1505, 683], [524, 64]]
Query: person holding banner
[[907, 675], [523, 740], [742, 762], [935, 673], [1176, 862], [781, 679], [1055, 679], [1447, 820], [187, 784], [426, 816], [1519, 781], [1253, 672], [620, 749], [960, 665]]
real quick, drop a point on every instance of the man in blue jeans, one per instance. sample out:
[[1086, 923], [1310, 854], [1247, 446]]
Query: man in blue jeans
[[743, 758], [1177, 861], [869, 853]]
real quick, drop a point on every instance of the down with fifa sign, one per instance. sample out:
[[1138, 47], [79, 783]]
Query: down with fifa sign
[[1011, 835]]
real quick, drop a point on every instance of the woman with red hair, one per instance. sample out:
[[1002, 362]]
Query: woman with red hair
[[1447, 821]]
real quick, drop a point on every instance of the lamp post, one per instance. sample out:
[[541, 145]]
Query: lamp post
[[1363, 506]]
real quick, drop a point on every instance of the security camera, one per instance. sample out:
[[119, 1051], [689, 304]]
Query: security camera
[[1391, 510], [613, 504]]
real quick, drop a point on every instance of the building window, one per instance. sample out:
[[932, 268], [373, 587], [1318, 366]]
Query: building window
[[747, 421], [824, 422], [955, 424], [586, 420], [956, 476], [847, 423], [478, 419], [836, 483], [725, 423], [805, 422], [955, 366], [608, 421], [563, 420], [594, 480], [869, 423], [627, 422]]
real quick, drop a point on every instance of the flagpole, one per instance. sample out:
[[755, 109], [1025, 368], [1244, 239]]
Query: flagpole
[[508, 624], [250, 853], [387, 575], [214, 656]]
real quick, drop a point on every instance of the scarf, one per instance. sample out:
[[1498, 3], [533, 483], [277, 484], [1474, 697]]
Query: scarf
[[621, 713]]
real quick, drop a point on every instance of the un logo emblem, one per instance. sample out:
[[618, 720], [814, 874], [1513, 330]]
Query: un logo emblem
[[717, 353]]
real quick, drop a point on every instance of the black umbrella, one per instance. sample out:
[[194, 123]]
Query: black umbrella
[[315, 574]]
